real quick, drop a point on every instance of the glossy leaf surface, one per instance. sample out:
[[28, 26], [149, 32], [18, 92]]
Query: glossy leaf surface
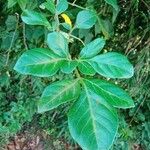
[[49, 5], [61, 6], [58, 93], [112, 65], [92, 122], [39, 62], [69, 66], [93, 48], [58, 44], [86, 68], [85, 19], [34, 18], [111, 93]]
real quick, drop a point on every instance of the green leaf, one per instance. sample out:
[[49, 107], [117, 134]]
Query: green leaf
[[34, 18], [61, 6], [93, 123], [22, 3], [69, 66], [49, 5], [93, 48], [58, 44], [106, 27], [59, 93], [112, 65], [116, 8], [85, 67], [115, 14], [11, 3], [111, 93], [85, 19], [39, 62], [113, 3]]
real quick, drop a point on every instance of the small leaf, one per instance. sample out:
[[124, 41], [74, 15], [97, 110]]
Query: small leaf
[[86, 68], [58, 44], [116, 8], [59, 93], [113, 3], [93, 123], [69, 66], [39, 62], [111, 93], [34, 18], [93, 48], [11, 3], [61, 6], [22, 3], [85, 19], [106, 27], [49, 5], [112, 65]]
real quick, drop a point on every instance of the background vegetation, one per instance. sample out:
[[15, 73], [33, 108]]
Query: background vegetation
[[129, 34]]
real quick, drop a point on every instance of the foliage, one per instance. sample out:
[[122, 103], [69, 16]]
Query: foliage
[[92, 116], [126, 39]]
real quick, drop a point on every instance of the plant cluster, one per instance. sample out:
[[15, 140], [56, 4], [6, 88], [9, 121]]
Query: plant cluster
[[92, 118]]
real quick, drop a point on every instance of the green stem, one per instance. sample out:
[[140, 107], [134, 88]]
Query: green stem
[[57, 20], [75, 5], [77, 39]]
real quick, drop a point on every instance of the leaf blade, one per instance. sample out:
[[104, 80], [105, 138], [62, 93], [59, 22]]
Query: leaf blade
[[38, 62], [89, 120], [58, 93], [93, 48], [69, 66], [85, 19], [112, 65], [61, 6], [58, 44], [111, 93], [85, 67], [34, 18]]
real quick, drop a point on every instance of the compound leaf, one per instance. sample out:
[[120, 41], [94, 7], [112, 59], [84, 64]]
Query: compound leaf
[[39, 62], [58, 93], [112, 65]]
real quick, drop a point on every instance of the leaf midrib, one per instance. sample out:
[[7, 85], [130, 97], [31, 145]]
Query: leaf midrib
[[64, 89], [46, 62], [92, 116], [105, 90]]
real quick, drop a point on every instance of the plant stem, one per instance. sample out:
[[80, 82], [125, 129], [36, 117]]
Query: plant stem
[[77, 39], [75, 5], [57, 19]]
